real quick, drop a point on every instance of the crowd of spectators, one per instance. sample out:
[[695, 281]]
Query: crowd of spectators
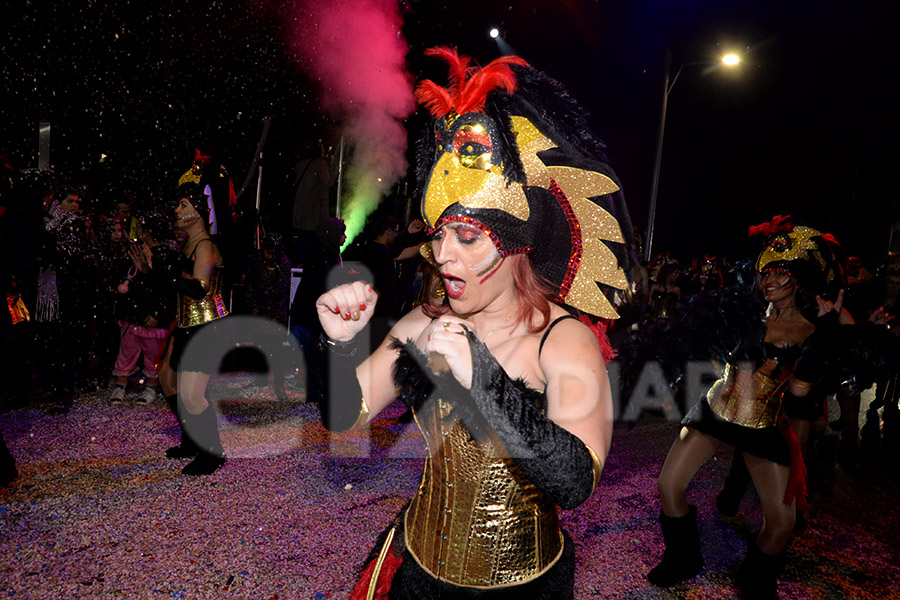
[[76, 323]]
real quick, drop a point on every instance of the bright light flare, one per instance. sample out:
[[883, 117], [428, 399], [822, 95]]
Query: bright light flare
[[731, 60], [494, 33]]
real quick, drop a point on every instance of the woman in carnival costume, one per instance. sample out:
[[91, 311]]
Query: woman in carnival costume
[[773, 353], [509, 390], [195, 352]]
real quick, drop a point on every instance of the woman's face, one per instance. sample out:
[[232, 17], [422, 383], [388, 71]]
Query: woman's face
[[892, 285], [777, 284], [116, 234], [185, 214], [474, 273]]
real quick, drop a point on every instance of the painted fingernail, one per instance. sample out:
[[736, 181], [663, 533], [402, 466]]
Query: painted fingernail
[[362, 306], [336, 310], [346, 315]]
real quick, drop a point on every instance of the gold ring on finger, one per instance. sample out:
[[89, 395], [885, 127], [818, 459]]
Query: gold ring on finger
[[446, 325]]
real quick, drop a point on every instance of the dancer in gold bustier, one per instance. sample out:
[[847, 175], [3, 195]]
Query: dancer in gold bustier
[[749, 408], [187, 368], [508, 387]]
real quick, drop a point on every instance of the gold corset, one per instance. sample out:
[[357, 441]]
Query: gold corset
[[476, 521], [748, 398], [209, 308]]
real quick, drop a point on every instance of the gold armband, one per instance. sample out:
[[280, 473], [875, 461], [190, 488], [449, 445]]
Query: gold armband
[[363, 417], [598, 467]]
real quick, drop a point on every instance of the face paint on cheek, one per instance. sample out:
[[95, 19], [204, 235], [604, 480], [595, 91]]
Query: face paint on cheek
[[487, 264], [493, 268]]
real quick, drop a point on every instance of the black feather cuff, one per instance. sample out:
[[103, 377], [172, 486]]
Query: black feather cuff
[[416, 384], [192, 288], [552, 458]]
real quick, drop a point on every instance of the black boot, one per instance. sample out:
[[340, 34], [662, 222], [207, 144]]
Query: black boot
[[186, 448], [757, 576], [870, 433], [682, 558], [205, 430], [8, 471]]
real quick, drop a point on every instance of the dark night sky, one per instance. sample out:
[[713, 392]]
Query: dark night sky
[[807, 126]]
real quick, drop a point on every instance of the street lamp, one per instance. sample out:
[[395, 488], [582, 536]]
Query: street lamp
[[729, 60]]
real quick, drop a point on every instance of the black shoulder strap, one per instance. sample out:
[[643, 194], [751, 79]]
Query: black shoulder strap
[[194, 251], [549, 329]]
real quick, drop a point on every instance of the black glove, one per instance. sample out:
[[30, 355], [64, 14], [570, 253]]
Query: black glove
[[192, 288], [336, 388], [552, 458]]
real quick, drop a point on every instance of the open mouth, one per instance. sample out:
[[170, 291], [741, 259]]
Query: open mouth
[[454, 285]]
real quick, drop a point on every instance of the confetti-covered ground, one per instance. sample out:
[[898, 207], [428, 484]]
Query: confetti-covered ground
[[99, 512]]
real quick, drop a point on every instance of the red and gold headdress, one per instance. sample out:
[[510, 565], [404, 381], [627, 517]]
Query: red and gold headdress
[[195, 173], [510, 153], [811, 256]]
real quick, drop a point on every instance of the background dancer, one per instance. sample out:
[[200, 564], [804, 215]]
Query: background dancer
[[748, 407], [198, 281]]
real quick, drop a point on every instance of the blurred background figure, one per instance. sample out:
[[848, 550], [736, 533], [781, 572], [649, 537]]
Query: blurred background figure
[[62, 274], [323, 257], [144, 313], [268, 295], [313, 178], [665, 293]]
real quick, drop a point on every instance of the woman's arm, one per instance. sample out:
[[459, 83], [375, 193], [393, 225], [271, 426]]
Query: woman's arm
[[375, 374], [354, 387], [206, 257], [579, 398]]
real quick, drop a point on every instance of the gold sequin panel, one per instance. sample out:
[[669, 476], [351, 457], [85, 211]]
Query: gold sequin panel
[[209, 308], [476, 521], [747, 397]]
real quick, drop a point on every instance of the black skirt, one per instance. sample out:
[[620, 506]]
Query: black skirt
[[767, 442], [201, 348]]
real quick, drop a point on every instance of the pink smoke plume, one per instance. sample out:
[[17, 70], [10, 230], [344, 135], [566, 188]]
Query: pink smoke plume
[[355, 50]]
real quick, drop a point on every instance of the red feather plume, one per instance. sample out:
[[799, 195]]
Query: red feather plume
[[434, 98], [469, 86], [778, 224], [201, 159], [459, 65]]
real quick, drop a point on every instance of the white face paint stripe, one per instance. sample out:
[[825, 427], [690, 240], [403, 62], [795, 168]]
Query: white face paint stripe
[[490, 259]]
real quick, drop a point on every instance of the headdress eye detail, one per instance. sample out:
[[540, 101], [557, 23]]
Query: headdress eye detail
[[781, 243], [472, 144]]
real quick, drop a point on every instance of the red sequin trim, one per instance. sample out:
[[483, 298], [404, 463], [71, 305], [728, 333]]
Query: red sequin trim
[[575, 233], [476, 223]]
